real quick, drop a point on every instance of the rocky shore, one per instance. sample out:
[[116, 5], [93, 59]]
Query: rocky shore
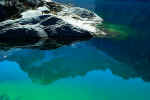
[[45, 24]]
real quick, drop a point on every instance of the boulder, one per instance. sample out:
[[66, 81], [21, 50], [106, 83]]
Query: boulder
[[50, 26]]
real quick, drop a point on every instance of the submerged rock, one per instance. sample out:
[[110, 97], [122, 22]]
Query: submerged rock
[[49, 26]]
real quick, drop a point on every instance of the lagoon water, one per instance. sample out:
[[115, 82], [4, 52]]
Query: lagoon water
[[98, 69]]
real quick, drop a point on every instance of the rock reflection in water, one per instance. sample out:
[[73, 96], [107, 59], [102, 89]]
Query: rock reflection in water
[[133, 50], [45, 67]]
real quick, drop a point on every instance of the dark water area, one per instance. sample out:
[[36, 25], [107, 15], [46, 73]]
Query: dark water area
[[99, 69]]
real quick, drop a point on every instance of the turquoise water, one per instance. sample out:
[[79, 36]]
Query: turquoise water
[[69, 73], [99, 69]]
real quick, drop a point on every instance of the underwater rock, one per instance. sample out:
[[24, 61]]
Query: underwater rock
[[50, 26]]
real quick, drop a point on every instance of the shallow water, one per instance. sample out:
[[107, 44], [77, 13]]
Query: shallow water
[[98, 69]]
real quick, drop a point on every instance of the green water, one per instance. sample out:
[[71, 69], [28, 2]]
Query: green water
[[95, 85], [114, 68], [117, 31], [65, 75]]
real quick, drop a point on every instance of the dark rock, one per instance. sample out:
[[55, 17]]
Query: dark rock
[[29, 31], [45, 31]]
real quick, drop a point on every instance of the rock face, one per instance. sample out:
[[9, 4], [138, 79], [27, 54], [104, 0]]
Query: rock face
[[48, 26], [13, 8], [39, 30]]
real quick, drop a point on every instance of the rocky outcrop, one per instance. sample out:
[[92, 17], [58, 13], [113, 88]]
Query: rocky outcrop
[[49, 26], [39, 30], [13, 8]]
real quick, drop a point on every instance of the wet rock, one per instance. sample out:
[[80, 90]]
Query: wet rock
[[31, 31], [60, 25], [12, 9]]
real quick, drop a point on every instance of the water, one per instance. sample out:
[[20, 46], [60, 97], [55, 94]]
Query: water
[[99, 69]]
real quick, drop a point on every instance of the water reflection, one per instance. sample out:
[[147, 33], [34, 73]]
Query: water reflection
[[130, 18], [99, 69], [133, 50], [11, 72], [46, 67], [127, 58], [69, 73]]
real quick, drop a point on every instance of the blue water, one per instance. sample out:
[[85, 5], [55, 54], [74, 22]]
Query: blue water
[[97, 69]]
